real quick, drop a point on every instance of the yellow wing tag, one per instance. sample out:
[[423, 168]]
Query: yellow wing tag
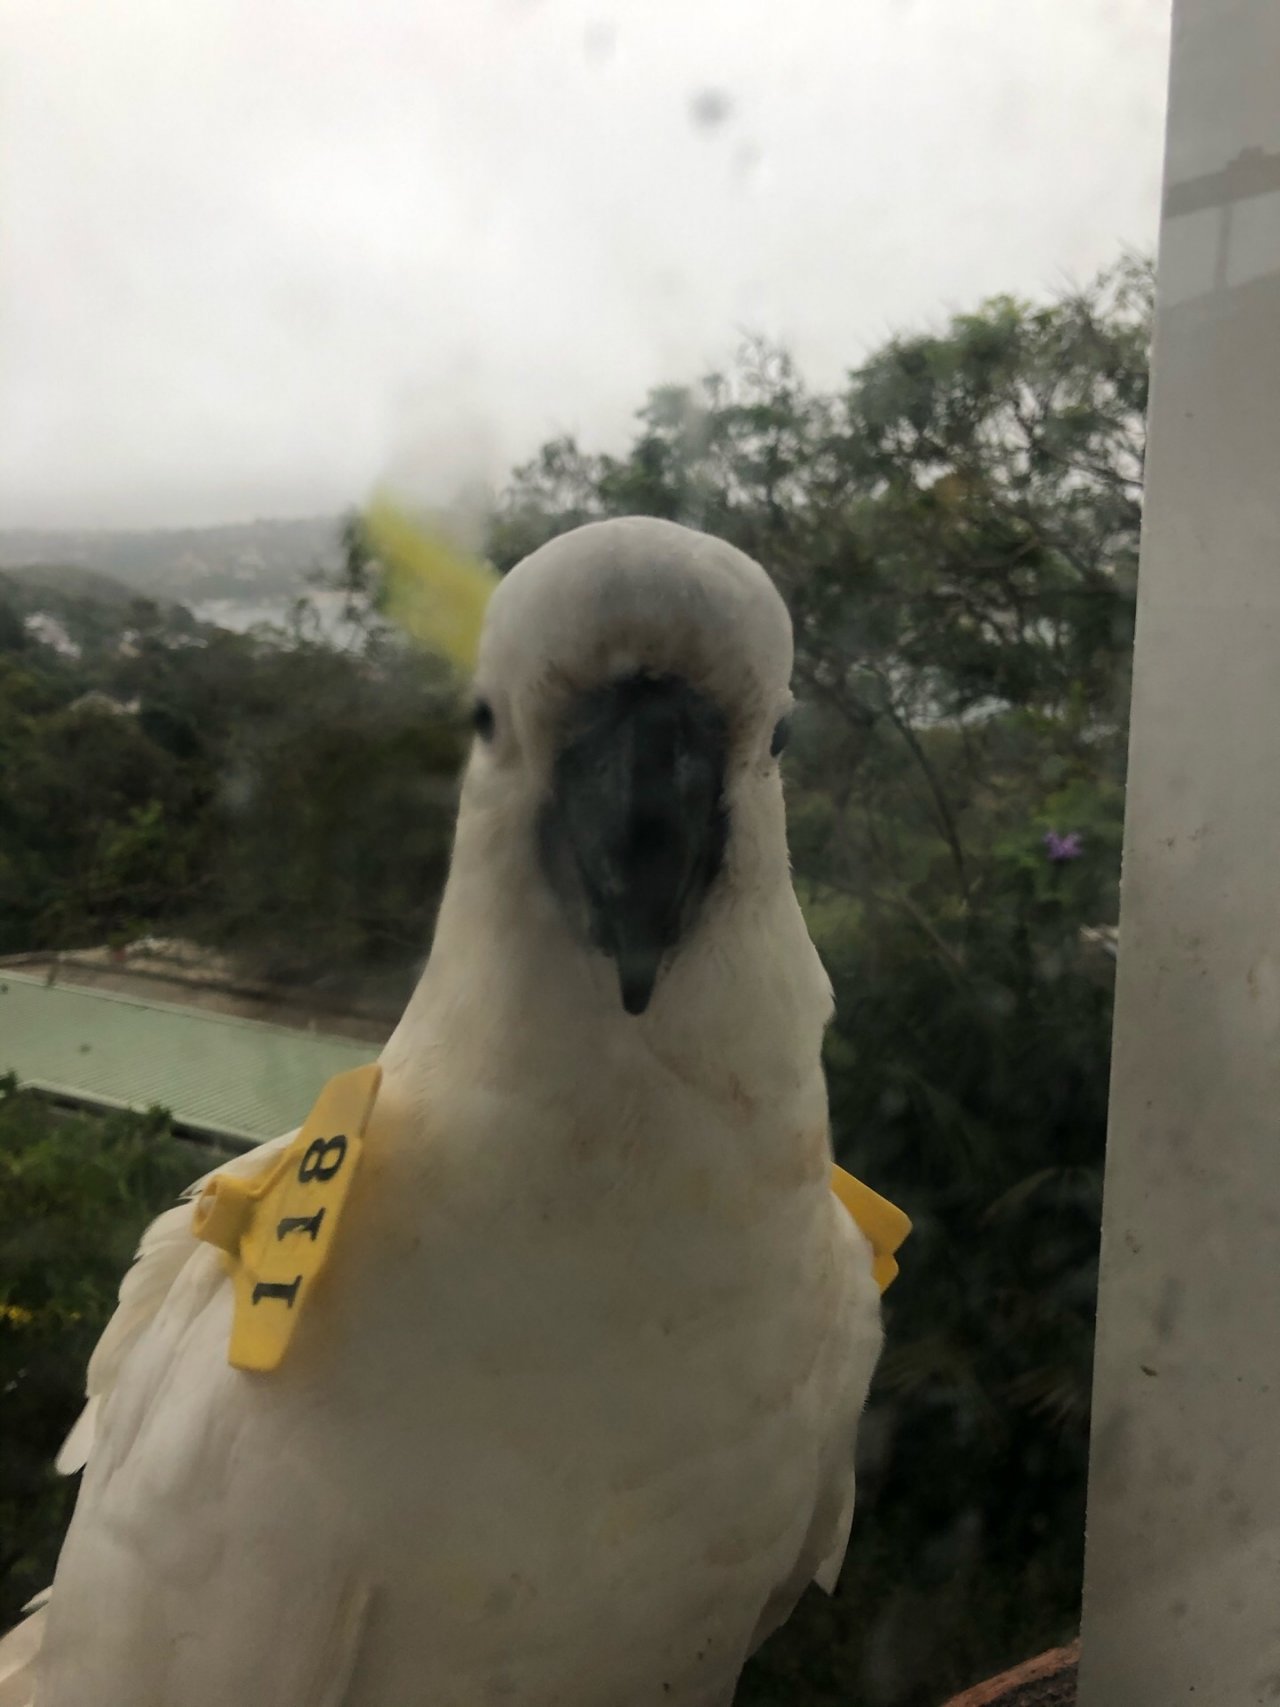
[[884, 1224], [278, 1230]]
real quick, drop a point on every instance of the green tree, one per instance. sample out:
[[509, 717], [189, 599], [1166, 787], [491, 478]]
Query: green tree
[[334, 816], [267, 794], [13, 636]]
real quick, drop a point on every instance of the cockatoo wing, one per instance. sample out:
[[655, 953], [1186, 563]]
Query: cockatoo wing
[[18, 1653], [192, 1508], [167, 1249], [163, 1252], [851, 1357]]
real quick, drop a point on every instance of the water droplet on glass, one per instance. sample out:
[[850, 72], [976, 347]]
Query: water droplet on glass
[[600, 41], [748, 166], [710, 108]]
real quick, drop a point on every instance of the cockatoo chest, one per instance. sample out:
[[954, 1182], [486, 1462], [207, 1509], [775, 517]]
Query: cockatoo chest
[[592, 1386]]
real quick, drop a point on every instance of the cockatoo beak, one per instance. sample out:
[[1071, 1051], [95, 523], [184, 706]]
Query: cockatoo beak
[[634, 832]]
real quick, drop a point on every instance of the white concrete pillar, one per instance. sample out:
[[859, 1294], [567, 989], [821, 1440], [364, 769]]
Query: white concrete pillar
[[1182, 1579]]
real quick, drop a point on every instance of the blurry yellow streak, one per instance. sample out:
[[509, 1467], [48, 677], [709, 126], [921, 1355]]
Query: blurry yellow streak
[[433, 590]]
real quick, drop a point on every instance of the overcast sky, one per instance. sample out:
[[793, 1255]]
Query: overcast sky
[[256, 255]]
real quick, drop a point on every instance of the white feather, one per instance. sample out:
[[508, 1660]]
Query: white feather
[[18, 1653]]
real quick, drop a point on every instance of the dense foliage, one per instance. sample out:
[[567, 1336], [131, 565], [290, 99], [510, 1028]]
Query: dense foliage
[[956, 532], [75, 1193], [266, 793]]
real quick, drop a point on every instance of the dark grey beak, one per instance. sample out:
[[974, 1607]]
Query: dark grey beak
[[634, 832]]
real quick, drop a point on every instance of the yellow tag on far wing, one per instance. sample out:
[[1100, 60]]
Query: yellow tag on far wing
[[883, 1222], [278, 1230]]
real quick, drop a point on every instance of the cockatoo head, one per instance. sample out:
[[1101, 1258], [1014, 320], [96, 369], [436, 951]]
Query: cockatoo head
[[631, 699]]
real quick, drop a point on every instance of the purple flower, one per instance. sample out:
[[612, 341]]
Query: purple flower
[[1060, 848]]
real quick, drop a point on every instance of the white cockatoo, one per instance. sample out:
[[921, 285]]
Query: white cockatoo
[[570, 1416]]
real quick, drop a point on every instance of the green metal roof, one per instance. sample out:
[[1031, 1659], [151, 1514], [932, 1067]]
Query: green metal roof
[[236, 1079]]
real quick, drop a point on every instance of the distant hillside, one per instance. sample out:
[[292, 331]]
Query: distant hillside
[[35, 583], [81, 611], [241, 561]]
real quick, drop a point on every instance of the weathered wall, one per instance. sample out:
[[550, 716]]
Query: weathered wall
[[1183, 1570]]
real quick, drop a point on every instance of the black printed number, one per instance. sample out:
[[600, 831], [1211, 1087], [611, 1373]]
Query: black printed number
[[322, 1159], [309, 1224], [285, 1289]]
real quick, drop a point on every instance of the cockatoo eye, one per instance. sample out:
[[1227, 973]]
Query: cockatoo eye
[[781, 735], [482, 719]]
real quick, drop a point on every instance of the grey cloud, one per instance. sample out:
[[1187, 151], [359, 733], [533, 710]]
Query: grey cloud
[[257, 257]]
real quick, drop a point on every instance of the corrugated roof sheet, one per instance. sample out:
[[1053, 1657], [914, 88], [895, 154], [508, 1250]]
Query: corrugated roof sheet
[[236, 1079]]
